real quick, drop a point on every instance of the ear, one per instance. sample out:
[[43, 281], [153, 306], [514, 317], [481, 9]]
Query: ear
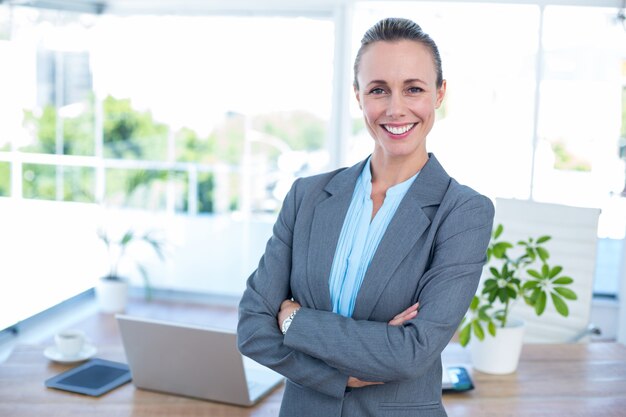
[[441, 93], [357, 95]]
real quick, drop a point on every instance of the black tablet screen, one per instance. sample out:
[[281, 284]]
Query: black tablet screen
[[93, 377]]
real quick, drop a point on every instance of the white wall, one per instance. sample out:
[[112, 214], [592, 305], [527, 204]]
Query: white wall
[[621, 332]]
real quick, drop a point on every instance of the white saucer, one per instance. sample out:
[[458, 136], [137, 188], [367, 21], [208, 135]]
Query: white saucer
[[86, 352]]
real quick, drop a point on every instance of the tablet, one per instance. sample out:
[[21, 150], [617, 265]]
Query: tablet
[[94, 377]]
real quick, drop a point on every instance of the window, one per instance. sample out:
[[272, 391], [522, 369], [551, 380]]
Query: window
[[580, 116], [211, 92], [198, 129], [580, 110]]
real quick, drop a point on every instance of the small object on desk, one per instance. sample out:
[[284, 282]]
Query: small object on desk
[[96, 377], [70, 342], [456, 379], [86, 352]]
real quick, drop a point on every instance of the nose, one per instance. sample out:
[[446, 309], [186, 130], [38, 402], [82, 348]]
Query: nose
[[396, 107]]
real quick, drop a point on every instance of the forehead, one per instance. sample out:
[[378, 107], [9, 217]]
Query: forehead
[[397, 61]]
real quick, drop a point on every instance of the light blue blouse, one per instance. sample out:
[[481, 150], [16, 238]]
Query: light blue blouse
[[359, 239]]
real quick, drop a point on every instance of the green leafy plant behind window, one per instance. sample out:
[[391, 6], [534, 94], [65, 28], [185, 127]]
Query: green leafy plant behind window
[[39, 181], [5, 179], [132, 134], [79, 184]]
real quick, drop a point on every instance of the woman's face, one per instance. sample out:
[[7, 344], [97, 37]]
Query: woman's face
[[398, 95]]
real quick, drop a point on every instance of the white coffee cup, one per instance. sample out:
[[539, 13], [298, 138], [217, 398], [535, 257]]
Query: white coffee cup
[[69, 342]]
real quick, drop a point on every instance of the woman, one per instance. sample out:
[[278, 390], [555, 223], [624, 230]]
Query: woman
[[354, 252]]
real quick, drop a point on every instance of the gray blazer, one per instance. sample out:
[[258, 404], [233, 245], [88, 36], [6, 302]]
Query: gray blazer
[[433, 252]]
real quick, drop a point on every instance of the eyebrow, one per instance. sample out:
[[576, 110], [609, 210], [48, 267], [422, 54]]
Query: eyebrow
[[409, 81], [415, 80]]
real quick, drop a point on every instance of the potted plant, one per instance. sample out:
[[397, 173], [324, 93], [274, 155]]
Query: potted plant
[[112, 289], [515, 271]]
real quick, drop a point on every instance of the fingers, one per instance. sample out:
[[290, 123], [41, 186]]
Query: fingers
[[408, 314], [357, 383], [408, 310]]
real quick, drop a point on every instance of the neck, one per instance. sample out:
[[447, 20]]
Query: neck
[[387, 171]]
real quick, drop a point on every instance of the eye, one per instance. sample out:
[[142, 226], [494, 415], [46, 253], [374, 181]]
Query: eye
[[415, 90], [377, 91]]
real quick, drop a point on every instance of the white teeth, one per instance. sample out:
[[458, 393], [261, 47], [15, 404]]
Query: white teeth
[[399, 129]]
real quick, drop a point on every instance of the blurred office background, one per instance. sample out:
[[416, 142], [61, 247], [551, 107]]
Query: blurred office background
[[194, 117]]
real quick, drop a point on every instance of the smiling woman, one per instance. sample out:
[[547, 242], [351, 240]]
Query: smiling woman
[[355, 252]]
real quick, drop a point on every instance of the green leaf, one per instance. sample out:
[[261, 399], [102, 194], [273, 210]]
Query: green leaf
[[511, 292], [530, 284], [560, 305], [503, 295], [555, 271], [540, 305], [534, 274], [495, 272], [500, 248], [465, 334], [489, 284], [545, 271], [146, 282], [128, 236], [478, 330], [566, 293], [543, 254], [474, 303], [157, 246], [543, 239], [534, 296], [482, 313], [499, 315], [491, 327], [498, 231], [563, 281]]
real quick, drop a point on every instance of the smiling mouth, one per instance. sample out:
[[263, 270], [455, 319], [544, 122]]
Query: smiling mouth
[[399, 130]]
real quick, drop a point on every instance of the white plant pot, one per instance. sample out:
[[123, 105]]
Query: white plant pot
[[500, 354], [112, 295]]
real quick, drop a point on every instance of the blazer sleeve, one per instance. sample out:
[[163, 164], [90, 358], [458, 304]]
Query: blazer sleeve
[[258, 335], [376, 351]]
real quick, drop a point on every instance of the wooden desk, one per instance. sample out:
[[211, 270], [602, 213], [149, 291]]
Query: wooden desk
[[552, 380]]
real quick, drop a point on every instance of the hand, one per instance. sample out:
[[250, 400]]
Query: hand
[[357, 383], [406, 315], [286, 308], [398, 320]]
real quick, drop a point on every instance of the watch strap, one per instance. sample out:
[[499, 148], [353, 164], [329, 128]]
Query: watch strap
[[287, 322]]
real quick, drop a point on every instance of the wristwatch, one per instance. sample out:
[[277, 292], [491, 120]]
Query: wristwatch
[[287, 322]]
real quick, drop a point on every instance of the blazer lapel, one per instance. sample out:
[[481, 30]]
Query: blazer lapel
[[326, 226], [406, 227]]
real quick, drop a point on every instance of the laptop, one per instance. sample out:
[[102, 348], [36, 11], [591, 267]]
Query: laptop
[[193, 361]]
